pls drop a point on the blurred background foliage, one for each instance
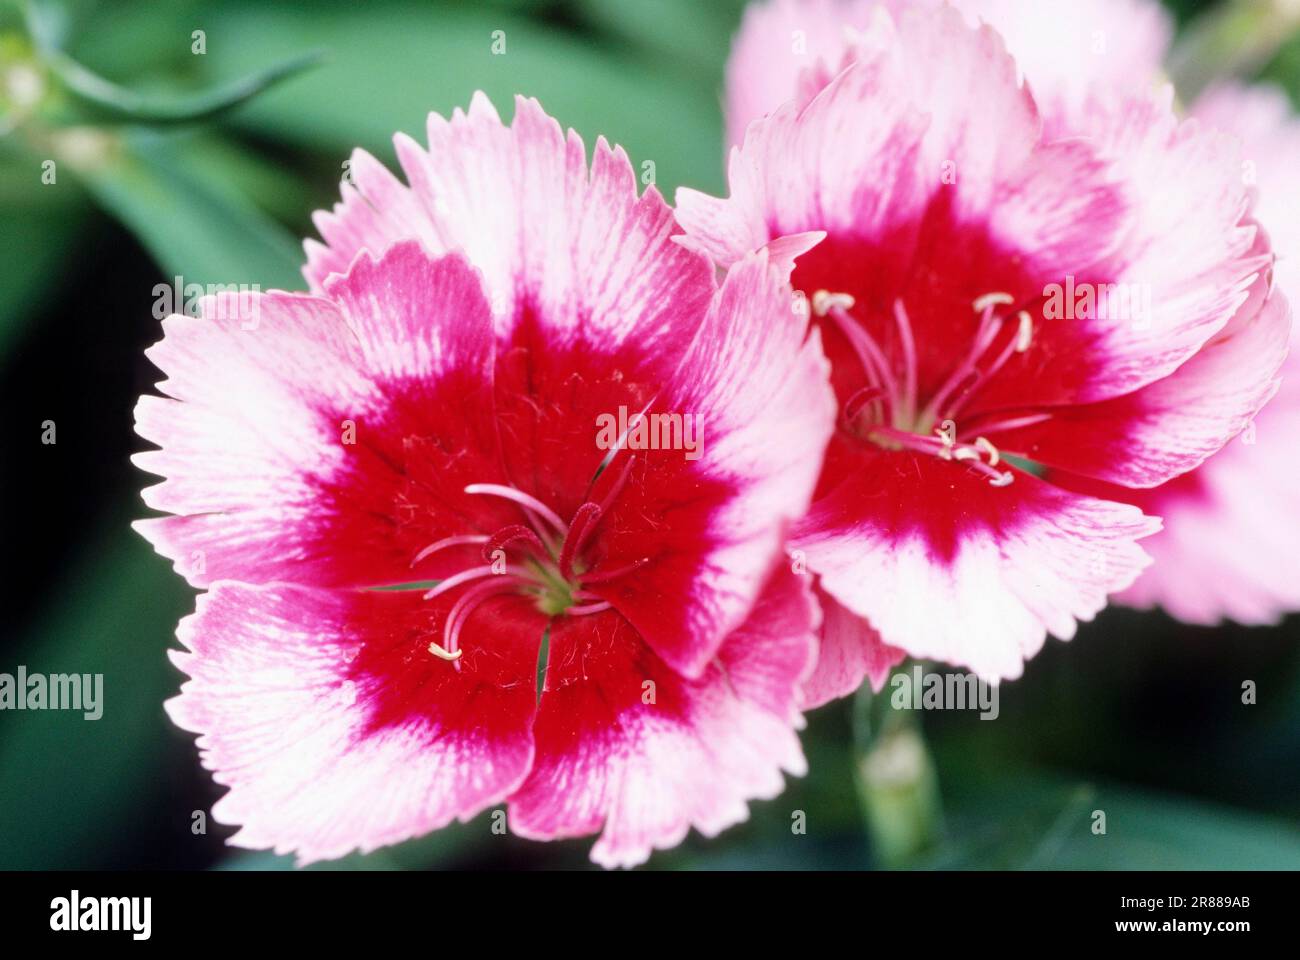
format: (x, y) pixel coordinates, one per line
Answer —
(1139, 717)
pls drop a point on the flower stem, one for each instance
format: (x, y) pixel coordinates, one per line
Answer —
(898, 785)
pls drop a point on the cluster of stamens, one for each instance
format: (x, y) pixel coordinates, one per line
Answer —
(541, 558)
(888, 412)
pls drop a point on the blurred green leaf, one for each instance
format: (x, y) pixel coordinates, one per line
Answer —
(69, 787)
(391, 64)
(686, 32)
(1028, 820)
(103, 101)
(38, 243)
(195, 226)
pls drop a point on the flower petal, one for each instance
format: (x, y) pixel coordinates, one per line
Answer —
(334, 727)
(711, 521)
(571, 246)
(947, 567)
(296, 462)
(848, 651)
(1156, 433)
(629, 747)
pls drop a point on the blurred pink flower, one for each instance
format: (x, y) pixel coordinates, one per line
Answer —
(1228, 546)
(1229, 543)
(956, 262)
(430, 414)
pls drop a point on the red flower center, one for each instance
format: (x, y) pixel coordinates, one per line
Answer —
(544, 558)
(889, 413)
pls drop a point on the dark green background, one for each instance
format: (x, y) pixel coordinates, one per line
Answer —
(1138, 716)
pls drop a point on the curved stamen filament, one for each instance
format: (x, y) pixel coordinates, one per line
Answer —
(582, 611)
(473, 573)
(508, 535)
(946, 447)
(584, 521)
(608, 500)
(967, 375)
(873, 359)
(544, 572)
(1006, 424)
(445, 542)
(605, 576)
(523, 499)
(460, 613)
(908, 344)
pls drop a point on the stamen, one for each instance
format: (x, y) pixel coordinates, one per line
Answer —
(617, 486)
(455, 580)
(604, 576)
(983, 444)
(439, 651)
(460, 614)
(590, 608)
(584, 522)
(1012, 423)
(873, 360)
(908, 344)
(989, 300)
(867, 395)
(1025, 335)
(943, 446)
(823, 302)
(967, 377)
(521, 498)
(508, 535)
(446, 542)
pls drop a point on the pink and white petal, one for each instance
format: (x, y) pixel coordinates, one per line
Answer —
(569, 244)
(1227, 549)
(1065, 52)
(1172, 426)
(416, 317)
(848, 651)
(333, 726)
(1071, 52)
(1263, 118)
(711, 521)
(279, 468)
(779, 42)
(628, 747)
(866, 156)
(947, 567)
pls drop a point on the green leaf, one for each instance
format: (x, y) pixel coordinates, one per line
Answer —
(686, 32)
(1027, 819)
(69, 786)
(385, 73)
(106, 102)
(45, 239)
(197, 227)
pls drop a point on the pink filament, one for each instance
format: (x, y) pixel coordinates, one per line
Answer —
(455, 580)
(523, 499)
(446, 542)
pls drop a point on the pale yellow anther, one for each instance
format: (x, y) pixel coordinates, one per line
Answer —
(1004, 480)
(947, 432)
(1025, 335)
(439, 651)
(965, 453)
(993, 300)
(982, 443)
(823, 302)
